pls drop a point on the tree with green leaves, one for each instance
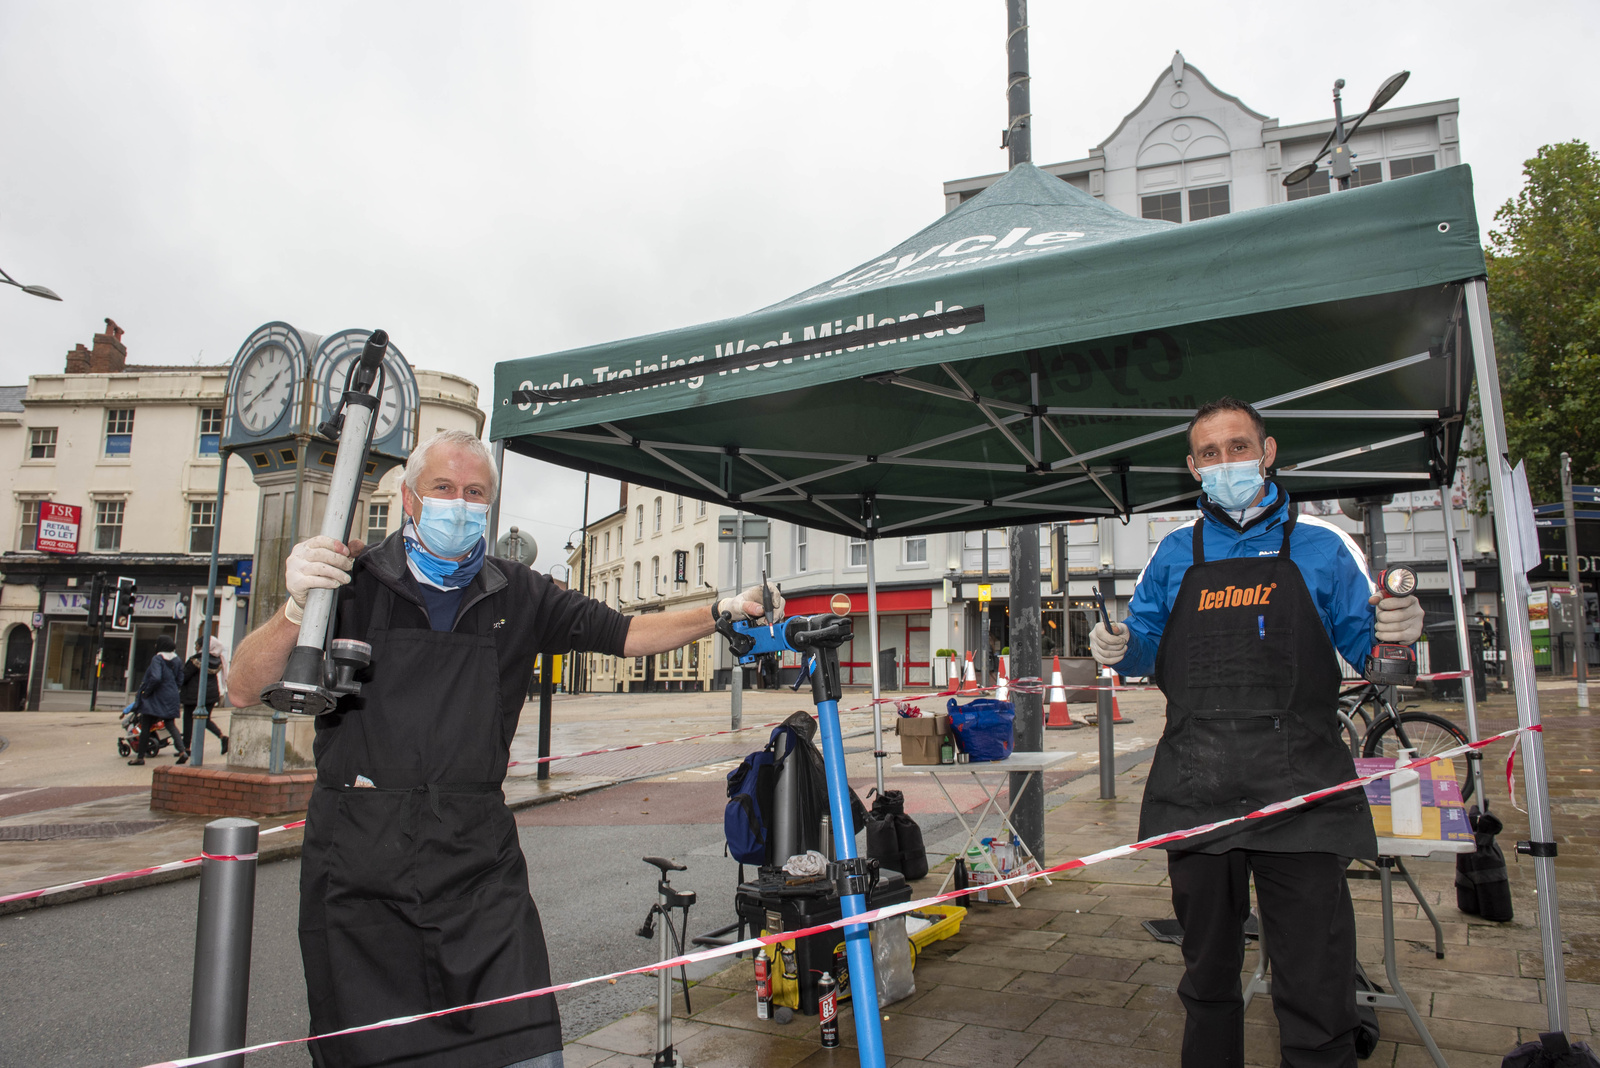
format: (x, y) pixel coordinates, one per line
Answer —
(1544, 290)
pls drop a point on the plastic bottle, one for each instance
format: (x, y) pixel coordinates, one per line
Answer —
(947, 751)
(1405, 798)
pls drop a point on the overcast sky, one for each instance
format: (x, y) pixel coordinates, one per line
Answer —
(497, 180)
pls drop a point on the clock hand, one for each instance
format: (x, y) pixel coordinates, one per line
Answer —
(257, 394)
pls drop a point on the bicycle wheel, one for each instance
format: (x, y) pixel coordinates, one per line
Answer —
(1427, 734)
(1349, 733)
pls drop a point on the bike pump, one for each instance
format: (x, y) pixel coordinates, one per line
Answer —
(319, 672)
(817, 640)
(668, 899)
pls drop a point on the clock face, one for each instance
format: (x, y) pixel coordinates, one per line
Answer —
(266, 387)
(389, 404)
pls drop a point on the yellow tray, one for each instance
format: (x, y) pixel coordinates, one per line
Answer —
(939, 930)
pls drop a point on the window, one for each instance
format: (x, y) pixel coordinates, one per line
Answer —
(210, 431)
(1405, 168)
(700, 509)
(119, 432)
(619, 539)
(916, 551)
(699, 565)
(656, 529)
(377, 523)
(108, 525)
(1168, 206)
(28, 529)
(589, 563)
(638, 523)
(607, 544)
(677, 510)
(42, 443)
(605, 593)
(694, 656)
(858, 552)
(202, 525)
(766, 557)
(1366, 174)
(637, 574)
(1315, 186)
(801, 549)
(1208, 203)
(655, 576)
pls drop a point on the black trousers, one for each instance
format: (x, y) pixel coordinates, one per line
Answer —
(1310, 931)
(188, 722)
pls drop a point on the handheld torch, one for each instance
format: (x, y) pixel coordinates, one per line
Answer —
(1389, 663)
(320, 672)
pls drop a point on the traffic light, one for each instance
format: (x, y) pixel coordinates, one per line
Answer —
(97, 596)
(122, 603)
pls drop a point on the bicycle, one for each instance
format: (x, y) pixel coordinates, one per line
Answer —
(1385, 730)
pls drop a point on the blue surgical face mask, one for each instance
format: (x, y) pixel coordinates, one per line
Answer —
(1232, 486)
(450, 526)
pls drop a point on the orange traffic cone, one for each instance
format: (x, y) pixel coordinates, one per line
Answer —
(1116, 713)
(970, 683)
(953, 683)
(1001, 691)
(1059, 718)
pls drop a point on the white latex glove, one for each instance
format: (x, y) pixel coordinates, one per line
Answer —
(1399, 618)
(1108, 648)
(318, 563)
(748, 604)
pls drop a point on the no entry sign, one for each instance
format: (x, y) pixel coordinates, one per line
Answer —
(840, 604)
(58, 527)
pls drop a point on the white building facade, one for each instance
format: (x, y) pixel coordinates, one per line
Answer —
(135, 448)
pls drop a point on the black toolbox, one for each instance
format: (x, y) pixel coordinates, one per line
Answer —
(794, 908)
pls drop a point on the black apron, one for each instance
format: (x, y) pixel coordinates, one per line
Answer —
(414, 895)
(1252, 688)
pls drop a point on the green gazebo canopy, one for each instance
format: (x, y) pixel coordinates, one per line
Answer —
(1035, 355)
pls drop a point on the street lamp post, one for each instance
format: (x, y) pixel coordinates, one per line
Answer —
(38, 291)
(1338, 142)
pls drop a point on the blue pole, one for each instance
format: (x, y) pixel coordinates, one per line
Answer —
(863, 978)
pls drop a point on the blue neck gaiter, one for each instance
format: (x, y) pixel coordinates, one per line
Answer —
(446, 574)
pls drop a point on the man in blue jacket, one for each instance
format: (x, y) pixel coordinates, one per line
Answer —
(1240, 619)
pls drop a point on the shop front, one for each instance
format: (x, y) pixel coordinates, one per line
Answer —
(905, 625)
(61, 646)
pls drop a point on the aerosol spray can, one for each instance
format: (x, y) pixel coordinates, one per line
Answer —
(763, 986)
(841, 969)
(828, 1009)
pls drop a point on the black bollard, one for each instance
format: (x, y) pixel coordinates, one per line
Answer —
(221, 996)
(1103, 714)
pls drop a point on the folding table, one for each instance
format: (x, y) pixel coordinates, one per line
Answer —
(1028, 764)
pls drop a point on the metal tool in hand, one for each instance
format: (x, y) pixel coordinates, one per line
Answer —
(1105, 614)
(320, 671)
(1389, 663)
(668, 899)
(817, 639)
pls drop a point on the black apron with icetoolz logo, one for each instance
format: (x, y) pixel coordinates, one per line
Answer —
(414, 891)
(1252, 687)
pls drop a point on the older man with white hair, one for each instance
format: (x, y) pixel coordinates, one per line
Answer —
(413, 888)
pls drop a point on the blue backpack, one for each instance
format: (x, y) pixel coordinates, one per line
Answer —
(745, 821)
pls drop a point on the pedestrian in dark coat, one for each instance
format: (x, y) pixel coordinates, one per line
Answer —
(159, 696)
(190, 695)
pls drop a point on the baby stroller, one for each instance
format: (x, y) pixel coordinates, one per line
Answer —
(135, 739)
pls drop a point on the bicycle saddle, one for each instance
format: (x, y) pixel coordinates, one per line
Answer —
(665, 865)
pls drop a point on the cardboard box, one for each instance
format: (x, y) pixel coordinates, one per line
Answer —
(920, 738)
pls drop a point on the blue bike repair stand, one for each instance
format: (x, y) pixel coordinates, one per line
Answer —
(817, 639)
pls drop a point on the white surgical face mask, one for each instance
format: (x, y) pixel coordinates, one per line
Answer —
(1233, 486)
(450, 526)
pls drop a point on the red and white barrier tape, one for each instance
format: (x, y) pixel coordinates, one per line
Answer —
(1021, 685)
(869, 916)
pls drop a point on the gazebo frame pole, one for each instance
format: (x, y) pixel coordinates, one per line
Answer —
(1464, 652)
(1514, 583)
(877, 680)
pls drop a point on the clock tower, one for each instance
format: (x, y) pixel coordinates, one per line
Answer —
(284, 384)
